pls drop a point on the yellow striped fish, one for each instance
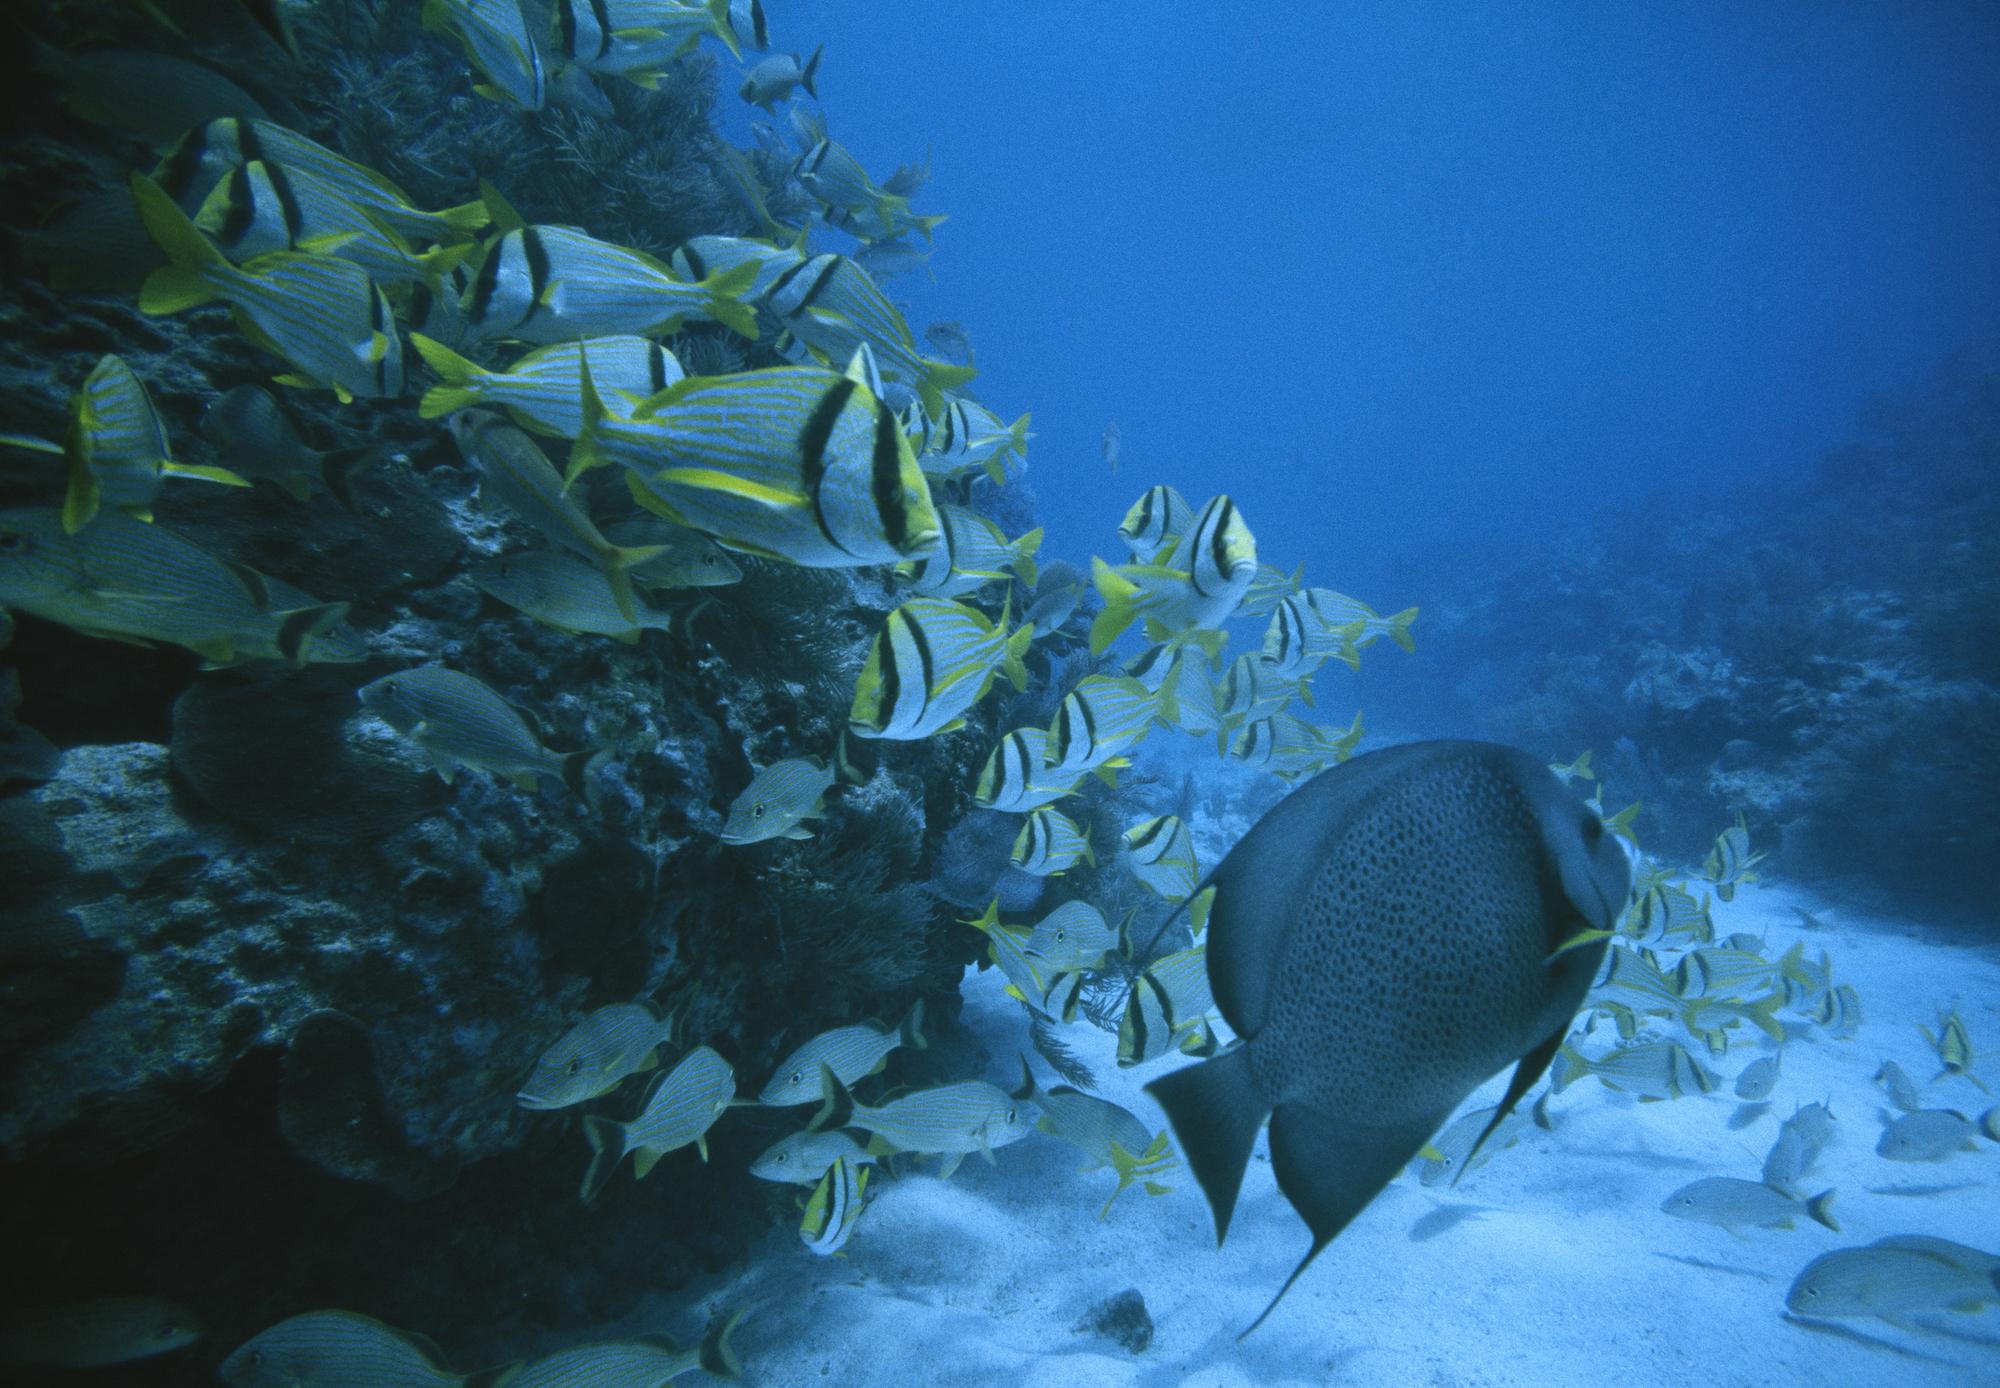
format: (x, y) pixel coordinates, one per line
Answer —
(340, 1349)
(95, 1334)
(1271, 586)
(515, 473)
(971, 553)
(129, 581)
(1098, 722)
(201, 158)
(460, 722)
(116, 452)
(832, 305)
(836, 178)
(850, 1052)
(550, 284)
(701, 256)
(494, 34)
(1015, 777)
(1106, 1133)
(1028, 977)
(1167, 1007)
(543, 389)
(778, 797)
(1162, 856)
(965, 438)
(834, 1208)
(324, 316)
(260, 208)
(1291, 747)
(931, 662)
(1730, 862)
(647, 1362)
(1297, 642)
(1073, 936)
(800, 1159)
(680, 1109)
(1050, 843)
(638, 39)
(1339, 610)
(686, 559)
(1189, 590)
(796, 463)
(951, 1120)
(566, 593)
(595, 1056)
(1155, 522)
(1249, 690)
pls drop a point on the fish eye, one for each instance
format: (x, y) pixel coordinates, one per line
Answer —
(574, 1067)
(757, 812)
(798, 1077)
(167, 1332)
(12, 542)
(783, 1157)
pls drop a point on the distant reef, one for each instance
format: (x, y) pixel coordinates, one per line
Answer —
(1818, 650)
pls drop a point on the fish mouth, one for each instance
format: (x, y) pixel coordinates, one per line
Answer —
(533, 1101)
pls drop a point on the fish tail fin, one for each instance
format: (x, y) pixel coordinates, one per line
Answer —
(718, 24)
(939, 377)
(989, 920)
(297, 630)
(1014, 660)
(337, 469)
(499, 1376)
(928, 225)
(725, 290)
(579, 773)
(182, 283)
(463, 380)
(1018, 435)
(1215, 1110)
(1025, 548)
(619, 561)
(1567, 1068)
(80, 496)
(836, 1108)
(607, 1149)
(910, 1031)
(1820, 1207)
(1120, 596)
(468, 218)
(810, 72)
(1399, 628)
(716, 1356)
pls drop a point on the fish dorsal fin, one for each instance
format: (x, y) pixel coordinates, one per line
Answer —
(1526, 1074)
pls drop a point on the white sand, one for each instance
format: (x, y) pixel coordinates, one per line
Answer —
(1562, 1269)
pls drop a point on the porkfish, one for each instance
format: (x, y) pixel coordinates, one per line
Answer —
(1382, 941)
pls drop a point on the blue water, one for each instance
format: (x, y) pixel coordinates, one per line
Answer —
(1400, 275)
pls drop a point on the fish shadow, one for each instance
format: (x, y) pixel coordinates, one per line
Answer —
(1443, 1219)
(1706, 1266)
(1848, 1332)
(1663, 1160)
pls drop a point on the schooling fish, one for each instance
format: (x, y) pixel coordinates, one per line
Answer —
(931, 662)
(1162, 856)
(1666, 912)
(95, 1334)
(1902, 1090)
(116, 451)
(1954, 1047)
(1757, 1080)
(966, 437)
(832, 305)
(460, 722)
(638, 39)
(339, 1349)
(552, 283)
(701, 256)
(1840, 1011)
(1927, 1135)
(1015, 777)
(1188, 697)
(1895, 1278)
(1459, 1148)
(1297, 642)
(324, 316)
(1730, 861)
(685, 559)
(1050, 843)
(1167, 1007)
(1290, 747)
(647, 1362)
(682, 1106)
(1154, 522)
(850, 1052)
(192, 168)
(1801, 1139)
(778, 797)
(543, 389)
(971, 553)
(747, 22)
(1732, 1204)
(595, 1056)
(1073, 936)
(1103, 1131)
(260, 208)
(515, 473)
(1338, 611)
(836, 178)
(1650, 1069)
(246, 426)
(1098, 722)
(797, 463)
(777, 77)
(802, 1158)
(566, 593)
(1356, 1058)
(126, 580)
(834, 1208)
(497, 43)
(951, 1120)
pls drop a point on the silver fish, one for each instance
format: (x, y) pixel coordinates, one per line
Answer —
(951, 1120)
(850, 1052)
(339, 1349)
(1733, 1204)
(777, 799)
(1927, 1135)
(594, 1056)
(97, 1333)
(682, 1106)
(460, 722)
(802, 1158)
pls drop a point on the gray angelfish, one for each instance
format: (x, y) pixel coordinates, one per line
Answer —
(1394, 932)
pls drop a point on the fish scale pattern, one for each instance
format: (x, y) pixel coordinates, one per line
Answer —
(1435, 883)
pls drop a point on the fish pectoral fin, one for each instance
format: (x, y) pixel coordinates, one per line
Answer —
(643, 1161)
(797, 831)
(1329, 1168)
(949, 1165)
(1526, 1074)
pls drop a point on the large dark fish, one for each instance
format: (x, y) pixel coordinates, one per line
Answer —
(1383, 941)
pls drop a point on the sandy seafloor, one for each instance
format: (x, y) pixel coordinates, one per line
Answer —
(1553, 1266)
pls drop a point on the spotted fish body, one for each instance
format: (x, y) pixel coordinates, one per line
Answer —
(1383, 941)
